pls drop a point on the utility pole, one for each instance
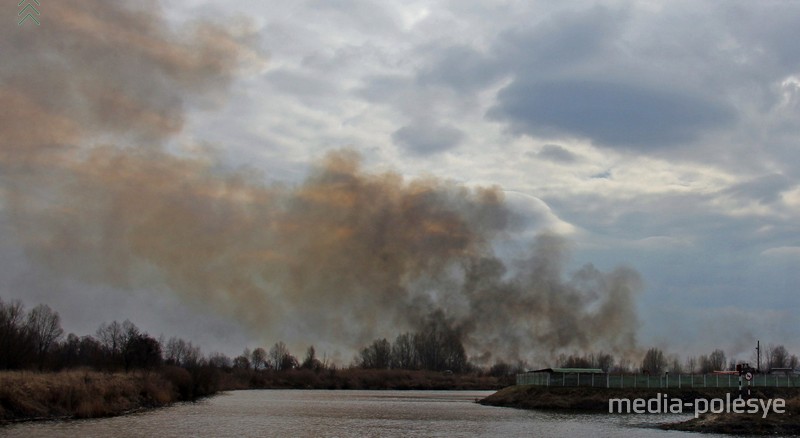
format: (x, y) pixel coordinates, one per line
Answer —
(758, 356)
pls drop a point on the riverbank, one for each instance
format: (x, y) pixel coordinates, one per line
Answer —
(78, 394)
(596, 400)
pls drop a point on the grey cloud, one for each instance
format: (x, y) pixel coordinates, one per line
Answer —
(609, 114)
(561, 41)
(765, 189)
(460, 67)
(425, 138)
(546, 48)
(556, 153)
(298, 83)
(773, 43)
(383, 88)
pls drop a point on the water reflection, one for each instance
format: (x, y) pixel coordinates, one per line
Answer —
(350, 414)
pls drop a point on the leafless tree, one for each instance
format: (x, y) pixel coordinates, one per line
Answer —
(280, 358)
(675, 366)
(258, 358)
(403, 352)
(44, 326)
(310, 362)
(182, 353)
(377, 355)
(777, 356)
(691, 364)
(15, 345)
(242, 362)
(111, 337)
(716, 360)
(219, 360)
(654, 362)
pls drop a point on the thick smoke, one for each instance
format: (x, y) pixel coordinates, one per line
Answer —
(343, 258)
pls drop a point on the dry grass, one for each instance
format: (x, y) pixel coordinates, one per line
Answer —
(79, 394)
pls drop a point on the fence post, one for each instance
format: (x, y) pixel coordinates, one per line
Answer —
(592, 380)
(608, 380)
(679, 380)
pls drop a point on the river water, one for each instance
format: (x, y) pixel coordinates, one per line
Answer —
(296, 413)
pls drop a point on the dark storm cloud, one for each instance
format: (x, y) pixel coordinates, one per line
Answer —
(426, 138)
(609, 114)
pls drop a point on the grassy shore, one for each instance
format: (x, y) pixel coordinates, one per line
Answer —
(587, 399)
(28, 395)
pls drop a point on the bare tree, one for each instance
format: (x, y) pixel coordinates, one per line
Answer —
(777, 356)
(15, 345)
(242, 362)
(141, 351)
(258, 358)
(111, 337)
(438, 346)
(675, 366)
(280, 358)
(310, 362)
(403, 353)
(604, 361)
(219, 360)
(45, 328)
(716, 360)
(654, 362)
(377, 355)
(181, 353)
(691, 364)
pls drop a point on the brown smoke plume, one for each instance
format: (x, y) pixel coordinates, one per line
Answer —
(343, 258)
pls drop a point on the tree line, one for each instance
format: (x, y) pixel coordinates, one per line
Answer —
(655, 361)
(435, 347)
(35, 340)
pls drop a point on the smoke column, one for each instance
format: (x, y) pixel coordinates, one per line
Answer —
(87, 109)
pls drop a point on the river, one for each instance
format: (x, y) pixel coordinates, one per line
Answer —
(319, 413)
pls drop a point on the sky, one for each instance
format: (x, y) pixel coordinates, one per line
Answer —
(656, 136)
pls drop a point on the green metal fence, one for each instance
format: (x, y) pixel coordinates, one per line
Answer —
(662, 381)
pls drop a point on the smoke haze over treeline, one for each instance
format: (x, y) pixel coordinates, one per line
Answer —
(95, 190)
